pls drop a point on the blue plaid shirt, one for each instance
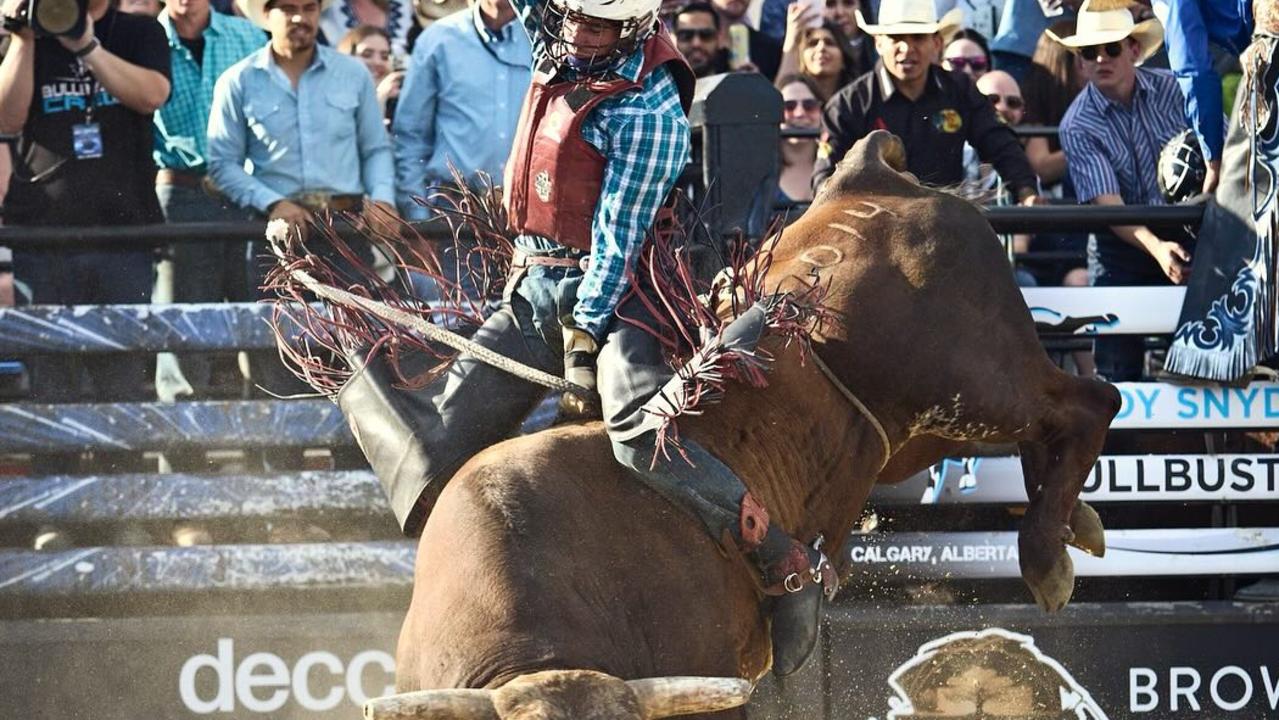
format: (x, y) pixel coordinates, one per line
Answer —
(644, 138)
(181, 126)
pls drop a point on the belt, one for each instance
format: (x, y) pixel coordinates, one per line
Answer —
(180, 178)
(523, 259)
(315, 201)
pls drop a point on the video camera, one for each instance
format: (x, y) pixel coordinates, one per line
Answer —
(49, 17)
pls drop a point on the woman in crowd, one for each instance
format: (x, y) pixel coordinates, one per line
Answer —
(393, 17)
(373, 48)
(820, 53)
(843, 14)
(1054, 79)
(967, 52)
(801, 110)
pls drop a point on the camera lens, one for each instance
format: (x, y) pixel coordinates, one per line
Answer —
(56, 16)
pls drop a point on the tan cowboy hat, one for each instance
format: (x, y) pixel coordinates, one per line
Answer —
(255, 10)
(912, 17)
(1107, 21)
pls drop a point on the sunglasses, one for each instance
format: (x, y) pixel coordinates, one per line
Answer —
(809, 105)
(703, 34)
(1012, 102)
(1093, 52)
(977, 63)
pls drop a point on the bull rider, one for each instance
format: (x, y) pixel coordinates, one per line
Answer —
(603, 136)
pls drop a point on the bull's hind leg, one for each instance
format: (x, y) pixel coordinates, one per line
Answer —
(1057, 453)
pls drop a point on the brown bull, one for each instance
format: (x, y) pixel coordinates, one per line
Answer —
(543, 555)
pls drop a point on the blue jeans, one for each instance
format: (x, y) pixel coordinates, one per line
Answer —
(89, 277)
(203, 271)
(1120, 358)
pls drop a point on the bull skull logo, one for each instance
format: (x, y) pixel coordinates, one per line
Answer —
(542, 186)
(988, 673)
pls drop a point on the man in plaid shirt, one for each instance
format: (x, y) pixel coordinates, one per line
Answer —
(602, 139)
(202, 44)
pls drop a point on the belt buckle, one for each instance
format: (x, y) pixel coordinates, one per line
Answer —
(313, 200)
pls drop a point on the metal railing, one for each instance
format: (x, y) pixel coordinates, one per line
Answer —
(1057, 218)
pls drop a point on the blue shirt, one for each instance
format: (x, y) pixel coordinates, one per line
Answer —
(459, 104)
(325, 136)
(1112, 149)
(181, 126)
(644, 137)
(1020, 26)
(1188, 26)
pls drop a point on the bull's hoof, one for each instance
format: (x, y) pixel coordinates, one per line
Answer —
(1052, 587)
(1090, 536)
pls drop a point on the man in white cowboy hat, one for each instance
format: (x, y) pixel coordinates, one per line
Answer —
(1112, 134)
(932, 110)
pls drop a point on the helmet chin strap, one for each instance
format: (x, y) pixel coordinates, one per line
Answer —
(588, 66)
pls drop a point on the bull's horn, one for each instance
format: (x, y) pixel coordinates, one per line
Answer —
(433, 705)
(663, 697)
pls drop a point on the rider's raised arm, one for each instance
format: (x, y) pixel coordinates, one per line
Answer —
(530, 14)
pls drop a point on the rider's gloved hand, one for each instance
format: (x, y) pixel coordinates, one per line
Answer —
(580, 351)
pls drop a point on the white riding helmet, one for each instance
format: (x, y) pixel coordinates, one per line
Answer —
(637, 20)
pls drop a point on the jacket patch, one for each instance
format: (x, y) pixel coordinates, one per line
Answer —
(949, 121)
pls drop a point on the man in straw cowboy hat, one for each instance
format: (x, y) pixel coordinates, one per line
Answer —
(1112, 134)
(932, 110)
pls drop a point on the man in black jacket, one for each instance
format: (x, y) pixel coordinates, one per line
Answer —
(933, 111)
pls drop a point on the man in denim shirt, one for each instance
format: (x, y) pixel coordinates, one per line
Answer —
(307, 118)
(465, 82)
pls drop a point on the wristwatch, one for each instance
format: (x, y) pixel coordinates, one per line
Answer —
(82, 52)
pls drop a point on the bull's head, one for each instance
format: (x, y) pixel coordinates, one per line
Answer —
(568, 695)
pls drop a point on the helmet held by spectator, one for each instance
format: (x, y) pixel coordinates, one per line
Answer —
(1182, 167)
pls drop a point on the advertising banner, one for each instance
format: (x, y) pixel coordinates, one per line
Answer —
(1106, 311)
(1162, 661)
(1114, 478)
(1163, 406)
(1129, 553)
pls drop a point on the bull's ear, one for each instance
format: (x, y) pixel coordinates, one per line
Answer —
(663, 697)
(433, 705)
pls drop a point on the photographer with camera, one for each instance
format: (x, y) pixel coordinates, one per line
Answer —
(78, 86)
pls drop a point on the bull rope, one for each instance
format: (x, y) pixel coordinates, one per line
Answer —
(859, 405)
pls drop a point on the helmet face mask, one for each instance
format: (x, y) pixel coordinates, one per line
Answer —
(590, 43)
(1181, 168)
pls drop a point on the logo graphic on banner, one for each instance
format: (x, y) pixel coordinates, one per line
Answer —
(987, 673)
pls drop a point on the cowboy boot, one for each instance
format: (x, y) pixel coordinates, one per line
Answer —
(415, 439)
(801, 580)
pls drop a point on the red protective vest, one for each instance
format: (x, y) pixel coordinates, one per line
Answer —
(553, 176)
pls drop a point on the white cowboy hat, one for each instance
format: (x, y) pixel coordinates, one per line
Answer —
(1110, 21)
(255, 10)
(912, 17)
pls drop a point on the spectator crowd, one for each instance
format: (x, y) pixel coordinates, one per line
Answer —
(211, 110)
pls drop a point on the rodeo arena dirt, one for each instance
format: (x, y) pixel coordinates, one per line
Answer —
(846, 455)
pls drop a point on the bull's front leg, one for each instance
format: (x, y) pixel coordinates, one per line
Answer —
(1056, 456)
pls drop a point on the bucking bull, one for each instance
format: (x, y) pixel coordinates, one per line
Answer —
(934, 348)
